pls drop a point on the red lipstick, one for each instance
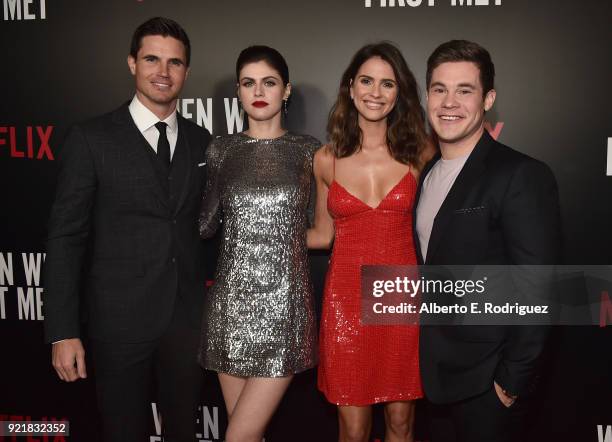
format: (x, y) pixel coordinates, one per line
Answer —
(259, 104)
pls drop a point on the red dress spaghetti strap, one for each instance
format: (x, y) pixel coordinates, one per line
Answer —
(361, 365)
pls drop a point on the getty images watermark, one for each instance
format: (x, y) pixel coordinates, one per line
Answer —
(486, 295)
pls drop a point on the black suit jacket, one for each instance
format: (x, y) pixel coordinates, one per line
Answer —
(513, 218)
(145, 249)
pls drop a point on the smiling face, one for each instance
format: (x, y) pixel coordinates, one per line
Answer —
(160, 70)
(456, 106)
(261, 91)
(374, 90)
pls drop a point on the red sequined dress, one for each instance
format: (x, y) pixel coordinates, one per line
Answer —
(366, 364)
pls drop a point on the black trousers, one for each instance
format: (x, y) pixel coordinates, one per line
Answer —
(479, 419)
(126, 372)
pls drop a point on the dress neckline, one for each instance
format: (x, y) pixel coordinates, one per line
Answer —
(383, 199)
(253, 139)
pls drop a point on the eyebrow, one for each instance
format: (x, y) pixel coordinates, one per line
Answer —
(264, 78)
(372, 78)
(463, 85)
(157, 58)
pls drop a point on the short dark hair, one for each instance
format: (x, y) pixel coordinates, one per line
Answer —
(463, 50)
(160, 26)
(253, 54)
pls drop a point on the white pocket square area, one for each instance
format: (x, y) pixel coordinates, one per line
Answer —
(201, 164)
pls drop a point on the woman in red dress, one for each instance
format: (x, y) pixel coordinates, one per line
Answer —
(366, 182)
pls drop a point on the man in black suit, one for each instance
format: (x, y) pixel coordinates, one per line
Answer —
(129, 190)
(479, 202)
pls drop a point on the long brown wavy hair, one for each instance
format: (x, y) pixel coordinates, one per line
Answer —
(406, 135)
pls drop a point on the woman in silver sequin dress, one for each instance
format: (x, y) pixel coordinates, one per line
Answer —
(259, 322)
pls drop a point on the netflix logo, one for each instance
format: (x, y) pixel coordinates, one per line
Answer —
(31, 142)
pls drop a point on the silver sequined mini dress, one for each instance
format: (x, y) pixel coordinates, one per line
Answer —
(259, 318)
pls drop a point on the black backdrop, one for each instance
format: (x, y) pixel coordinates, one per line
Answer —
(64, 61)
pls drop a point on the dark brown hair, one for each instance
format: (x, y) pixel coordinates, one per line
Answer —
(463, 50)
(160, 26)
(406, 136)
(271, 56)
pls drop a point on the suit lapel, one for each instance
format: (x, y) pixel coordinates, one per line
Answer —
(130, 138)
(183, 143)
(415, 236)
(470, 174)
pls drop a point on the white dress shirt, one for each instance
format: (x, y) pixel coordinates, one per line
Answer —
(145, 122)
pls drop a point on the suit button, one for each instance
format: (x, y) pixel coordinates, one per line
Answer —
(173, 260)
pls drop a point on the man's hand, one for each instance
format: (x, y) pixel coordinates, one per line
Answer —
(68, 359)
(505, 398)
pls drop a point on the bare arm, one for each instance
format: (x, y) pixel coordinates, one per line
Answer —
(321, 235)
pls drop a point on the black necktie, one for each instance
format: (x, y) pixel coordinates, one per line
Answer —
(163, 146)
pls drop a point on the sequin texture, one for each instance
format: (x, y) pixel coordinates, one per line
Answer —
(259, 316)
(367, 364)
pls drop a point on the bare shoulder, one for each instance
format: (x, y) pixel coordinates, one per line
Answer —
(324, 163)
(324, 157)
